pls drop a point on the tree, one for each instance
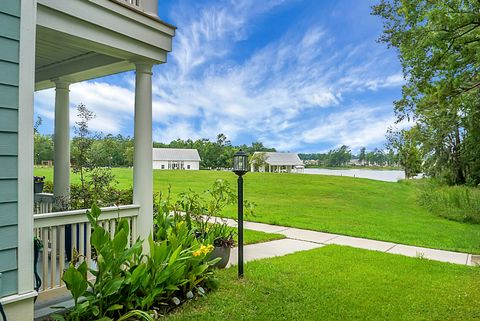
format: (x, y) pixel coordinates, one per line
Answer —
(361, 156)
(406, 145)
(438, 43)
(258, 160)
(85, 161)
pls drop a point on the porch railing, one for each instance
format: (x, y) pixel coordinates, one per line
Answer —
(54, 229)
(43, 203)
(135, 3)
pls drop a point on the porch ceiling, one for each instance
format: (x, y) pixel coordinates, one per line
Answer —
(62, 56)
(49, 52)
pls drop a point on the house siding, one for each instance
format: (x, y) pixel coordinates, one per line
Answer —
(9, 81)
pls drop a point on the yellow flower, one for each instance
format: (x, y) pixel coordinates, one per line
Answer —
(197, 253)
(206, 249)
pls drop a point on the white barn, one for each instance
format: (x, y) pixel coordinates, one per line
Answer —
(276, 162)
(176, 158)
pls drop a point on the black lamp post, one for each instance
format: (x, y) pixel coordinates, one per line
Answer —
(240, 167)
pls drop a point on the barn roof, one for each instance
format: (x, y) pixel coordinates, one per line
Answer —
(175, 154)
(274, 158)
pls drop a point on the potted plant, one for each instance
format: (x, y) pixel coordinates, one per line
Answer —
(222, 237)
(38, 183)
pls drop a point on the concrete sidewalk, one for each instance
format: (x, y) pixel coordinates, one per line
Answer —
(300, 240)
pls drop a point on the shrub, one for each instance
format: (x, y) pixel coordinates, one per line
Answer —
(458, 203)
(126, 280)
(197, 211)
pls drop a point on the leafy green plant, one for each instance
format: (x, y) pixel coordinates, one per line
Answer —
(202, 213)
(126, 280)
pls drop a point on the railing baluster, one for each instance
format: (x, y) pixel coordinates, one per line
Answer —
(88, 249)
(61, 257)
(53, 257)
(112, 228)
(45, 257)
(74, 239)
(81, 241)
(134, 230)
(106, 226)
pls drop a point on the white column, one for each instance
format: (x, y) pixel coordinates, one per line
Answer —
(142, 159)
(61, 165)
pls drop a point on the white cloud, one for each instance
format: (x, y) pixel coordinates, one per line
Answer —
(356, 127)
(203, 91)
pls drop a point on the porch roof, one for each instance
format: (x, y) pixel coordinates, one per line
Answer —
(79, 40)
(282, 159)
(175, 154)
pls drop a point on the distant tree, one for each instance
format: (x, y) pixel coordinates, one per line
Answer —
(258, 160)
(406, 144)
(361, 156)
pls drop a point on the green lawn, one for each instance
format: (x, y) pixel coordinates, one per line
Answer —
(253, 237)
(341, 283)
(352, 206)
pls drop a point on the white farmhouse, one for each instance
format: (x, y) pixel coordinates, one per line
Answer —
(176, 158)
(274, 162)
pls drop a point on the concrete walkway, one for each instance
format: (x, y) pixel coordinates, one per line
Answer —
(301, 240)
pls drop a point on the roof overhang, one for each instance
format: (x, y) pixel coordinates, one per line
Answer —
(79, 40)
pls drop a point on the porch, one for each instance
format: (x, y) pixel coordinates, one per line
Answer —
(77, 42)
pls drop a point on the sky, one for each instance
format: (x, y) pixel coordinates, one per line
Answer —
(299, 76)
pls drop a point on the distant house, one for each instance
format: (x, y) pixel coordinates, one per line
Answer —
(274, 162)
(176, 158)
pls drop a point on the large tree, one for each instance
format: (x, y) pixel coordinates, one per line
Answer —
(438, 44)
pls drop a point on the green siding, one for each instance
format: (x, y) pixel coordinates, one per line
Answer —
(9, 26)
(9, 74)
(8, 144)
(8, 213)
(8, 120)
(8, 260)
(9, 96)
(8, 237)
(9, 50)
(8, 164)
(11, 7)
(9, 82)
(8, 191)
(9, 283)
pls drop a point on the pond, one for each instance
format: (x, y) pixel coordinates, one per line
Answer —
(380, 175)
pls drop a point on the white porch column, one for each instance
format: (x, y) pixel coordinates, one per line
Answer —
(142, 159)
(61, 165)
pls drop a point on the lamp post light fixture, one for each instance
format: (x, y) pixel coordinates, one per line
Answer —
(240, 166)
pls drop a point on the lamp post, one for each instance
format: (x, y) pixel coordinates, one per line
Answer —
(240, 165)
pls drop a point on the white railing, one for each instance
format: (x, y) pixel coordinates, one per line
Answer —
(135, 3)
(43, 203)
(54, 228)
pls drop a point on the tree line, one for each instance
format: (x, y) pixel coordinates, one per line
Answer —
(343, 156)
(117, 151)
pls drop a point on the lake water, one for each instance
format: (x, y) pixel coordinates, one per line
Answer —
(380, 175)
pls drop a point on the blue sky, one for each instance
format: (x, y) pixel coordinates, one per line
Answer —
(303, 76)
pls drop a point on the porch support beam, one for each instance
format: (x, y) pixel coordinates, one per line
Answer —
(142, 161)
(61, 168)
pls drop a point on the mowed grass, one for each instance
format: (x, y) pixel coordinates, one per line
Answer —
(341, 283)
(351, 206)
(253, 237)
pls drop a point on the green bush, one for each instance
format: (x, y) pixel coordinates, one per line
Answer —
(458, 203)
(202, 213)
(127, 280)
